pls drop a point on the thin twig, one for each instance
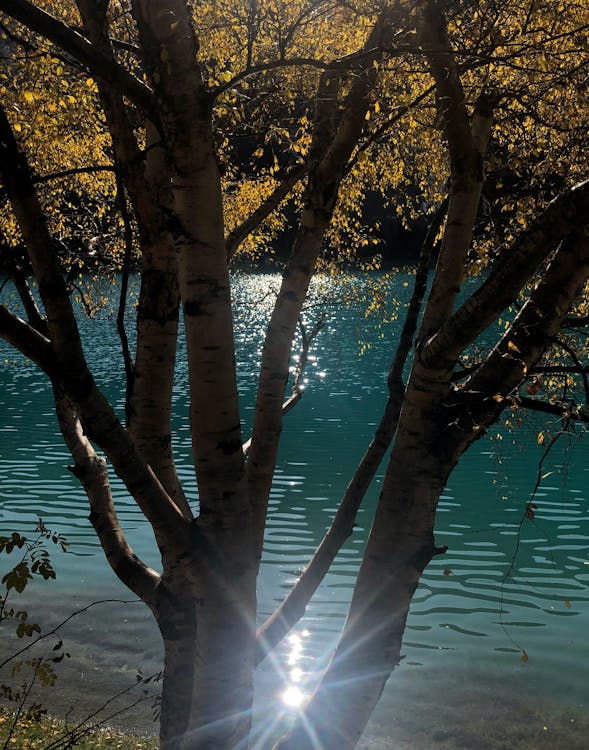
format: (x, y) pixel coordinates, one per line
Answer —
(57, 628)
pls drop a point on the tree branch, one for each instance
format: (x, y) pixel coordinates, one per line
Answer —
(78, 46)
(451, 103)
(146, 179)
(561, 370)
(28, 341)
(38, 179)
(581, 321)
(485, 393)
(293, 607)
(97, 414)
(558, 409)
(337, 127)
(92, 473)
(297, 390)
(36, 319)
(577, 362)
(234, 239)
(467, 144)
(514, 267)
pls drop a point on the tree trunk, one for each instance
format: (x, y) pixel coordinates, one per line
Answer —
(400, 545)
(206, 614)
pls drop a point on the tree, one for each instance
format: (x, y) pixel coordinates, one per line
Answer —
(178, 87)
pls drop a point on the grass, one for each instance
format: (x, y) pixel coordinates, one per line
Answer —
(49, 733)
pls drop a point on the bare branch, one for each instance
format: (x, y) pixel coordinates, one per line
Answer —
(337, 127)
(467, 144)
(558, 409)
(38, 179)
(34, 315)
(571, 321)
(146, 179)
(577, 362)
(451, 99)
(55, 630)
(297, 390)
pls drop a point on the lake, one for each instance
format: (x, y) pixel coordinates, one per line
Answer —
(504, 587)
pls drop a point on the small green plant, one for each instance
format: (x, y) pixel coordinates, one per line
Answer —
(34, 561)
(38, 734)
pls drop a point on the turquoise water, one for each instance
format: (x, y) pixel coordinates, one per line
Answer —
(500, 590)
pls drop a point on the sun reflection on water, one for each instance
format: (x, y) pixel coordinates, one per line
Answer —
(293, 696)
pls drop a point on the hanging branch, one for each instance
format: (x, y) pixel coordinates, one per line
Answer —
(527, 515)
(297, 391)
(580, 369)
(558, 409)
(307, 340)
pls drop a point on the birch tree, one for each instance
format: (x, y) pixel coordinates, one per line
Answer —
(462, 101)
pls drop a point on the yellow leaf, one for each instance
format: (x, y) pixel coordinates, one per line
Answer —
(524, 657)
(540, 438)
(512, 347)
(367, 115)
(17, 127)
(567, 603)
(498, 398)
(29, 96)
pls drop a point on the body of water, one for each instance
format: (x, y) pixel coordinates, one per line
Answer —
(507, 588)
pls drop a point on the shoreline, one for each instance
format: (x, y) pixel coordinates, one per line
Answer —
(440, 710)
